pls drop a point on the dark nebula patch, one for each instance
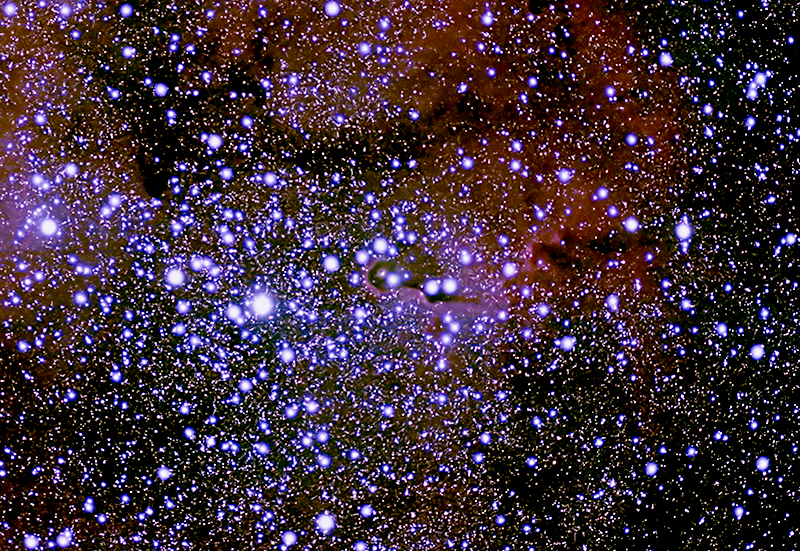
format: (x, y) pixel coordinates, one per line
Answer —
(398, 275)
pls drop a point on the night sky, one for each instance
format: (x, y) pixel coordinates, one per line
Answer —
(399, 275)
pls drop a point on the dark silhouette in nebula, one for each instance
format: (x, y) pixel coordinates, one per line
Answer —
(398, 275)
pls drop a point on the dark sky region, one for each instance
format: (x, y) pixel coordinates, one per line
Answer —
(393, 275)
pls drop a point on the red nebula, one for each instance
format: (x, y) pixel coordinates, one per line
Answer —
(599, 114)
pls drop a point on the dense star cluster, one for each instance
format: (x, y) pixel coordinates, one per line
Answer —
(399, 275)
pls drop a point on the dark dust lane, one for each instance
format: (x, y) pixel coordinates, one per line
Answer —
(398, 275)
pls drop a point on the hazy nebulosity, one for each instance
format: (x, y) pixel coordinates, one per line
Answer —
(398, 275)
